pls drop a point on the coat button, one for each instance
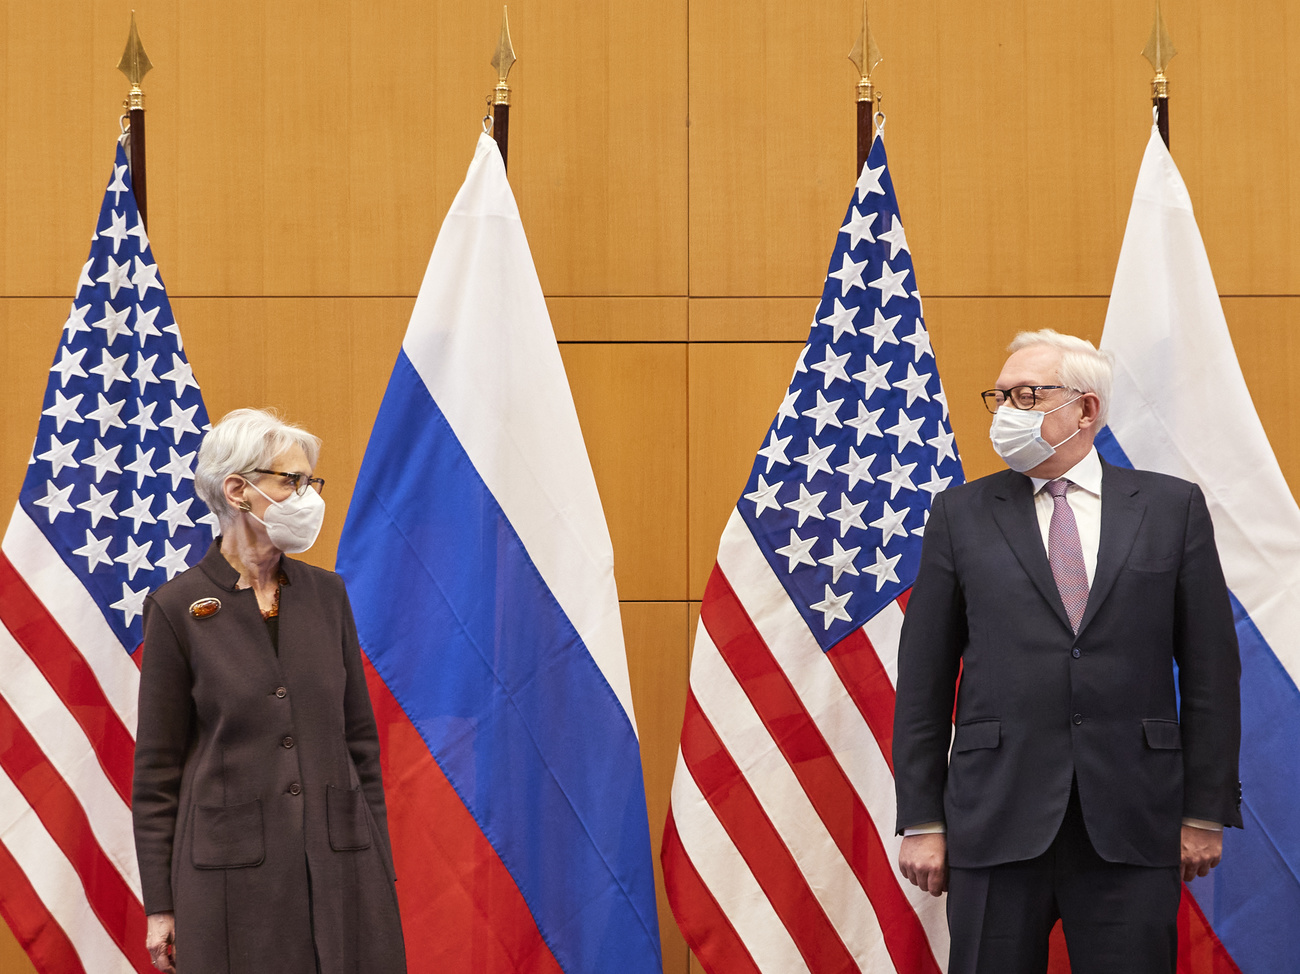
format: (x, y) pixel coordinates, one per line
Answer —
(1074, 652)
(282, 692)
(295, 789)
(288, 741)
(1078, 719)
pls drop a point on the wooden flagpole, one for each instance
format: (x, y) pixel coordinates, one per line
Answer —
(1160, 51)
(865, 56)
(502, 60)
(135, 65)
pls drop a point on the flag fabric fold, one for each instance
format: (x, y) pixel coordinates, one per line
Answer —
(779, 851)
(480, 570)
(107, 512)
(1181, 406)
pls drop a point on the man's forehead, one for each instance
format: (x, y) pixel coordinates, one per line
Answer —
(1033, 365)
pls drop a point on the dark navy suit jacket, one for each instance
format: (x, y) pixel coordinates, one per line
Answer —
(1039, 706)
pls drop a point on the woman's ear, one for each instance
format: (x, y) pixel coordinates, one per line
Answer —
(233, 488)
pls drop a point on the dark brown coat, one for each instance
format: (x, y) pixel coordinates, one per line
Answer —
(258, 803)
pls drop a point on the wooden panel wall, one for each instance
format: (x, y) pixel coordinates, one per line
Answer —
(681, 170)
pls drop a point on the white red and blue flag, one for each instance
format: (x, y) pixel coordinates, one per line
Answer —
(1181, 406)
(480, 570)
(107, 513)
(779, 851)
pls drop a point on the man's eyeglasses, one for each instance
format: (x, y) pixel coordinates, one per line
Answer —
(298, 481)
(1018, 397)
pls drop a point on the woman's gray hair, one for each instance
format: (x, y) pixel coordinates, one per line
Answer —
(1083, 368)
(244, 440)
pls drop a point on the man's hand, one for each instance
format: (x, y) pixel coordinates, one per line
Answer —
(1202, 850)
(924, 860)
(160, 941)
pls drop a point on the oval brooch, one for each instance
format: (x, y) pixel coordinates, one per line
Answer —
(204, 608)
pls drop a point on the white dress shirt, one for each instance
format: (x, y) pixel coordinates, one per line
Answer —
(1084, 498)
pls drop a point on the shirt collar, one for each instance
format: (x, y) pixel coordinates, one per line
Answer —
(1086, 475)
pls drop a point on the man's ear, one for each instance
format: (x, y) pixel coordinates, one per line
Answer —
(1091, 403)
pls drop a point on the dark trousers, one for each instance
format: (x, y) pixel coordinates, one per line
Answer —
(1117, 918)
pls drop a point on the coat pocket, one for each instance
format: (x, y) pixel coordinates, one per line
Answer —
(228, 836)
(346, 818)
(1162, 735)
(976, 734)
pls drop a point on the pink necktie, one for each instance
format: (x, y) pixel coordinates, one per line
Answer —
(1065, 554)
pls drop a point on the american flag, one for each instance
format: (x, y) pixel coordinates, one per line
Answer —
(106, 513)
(779, 852)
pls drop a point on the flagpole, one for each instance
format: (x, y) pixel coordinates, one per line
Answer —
(865, 56)
(1160, 51)
(502, 60)
(135, 65)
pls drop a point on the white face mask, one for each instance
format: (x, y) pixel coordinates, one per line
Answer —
(1017, 435)
(294, 523)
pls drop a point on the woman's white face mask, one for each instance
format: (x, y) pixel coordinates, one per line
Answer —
(294, 523)
(1017, 435)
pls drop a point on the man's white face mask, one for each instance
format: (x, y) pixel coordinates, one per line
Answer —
(1017, 435)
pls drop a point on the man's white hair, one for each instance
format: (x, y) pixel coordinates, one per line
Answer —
(1083, 368)
(243, 441)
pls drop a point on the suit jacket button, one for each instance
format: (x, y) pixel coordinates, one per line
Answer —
(1078, 719)
(288, 741)
(295, 789)
(282, 692)
(1074, 652)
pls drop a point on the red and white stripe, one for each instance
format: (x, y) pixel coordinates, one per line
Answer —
(779, 851)
(69, 885)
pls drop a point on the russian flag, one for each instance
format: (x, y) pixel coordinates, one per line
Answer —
(481, 574)
(1181, 406)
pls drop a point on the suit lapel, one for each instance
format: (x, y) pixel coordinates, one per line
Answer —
(1122, 510)
(1015, 517)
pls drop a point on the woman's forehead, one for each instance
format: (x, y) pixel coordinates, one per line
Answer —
(292, 460)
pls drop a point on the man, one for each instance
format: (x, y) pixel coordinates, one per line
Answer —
(1081, 783)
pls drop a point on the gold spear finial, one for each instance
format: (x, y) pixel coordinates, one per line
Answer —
(135, 64)
(503, 60)
(1159, 51)
(865, 56)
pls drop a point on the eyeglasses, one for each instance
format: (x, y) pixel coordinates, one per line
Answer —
(1018, 397)
(298, 481)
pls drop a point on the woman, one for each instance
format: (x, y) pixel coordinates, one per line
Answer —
(259, 810)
